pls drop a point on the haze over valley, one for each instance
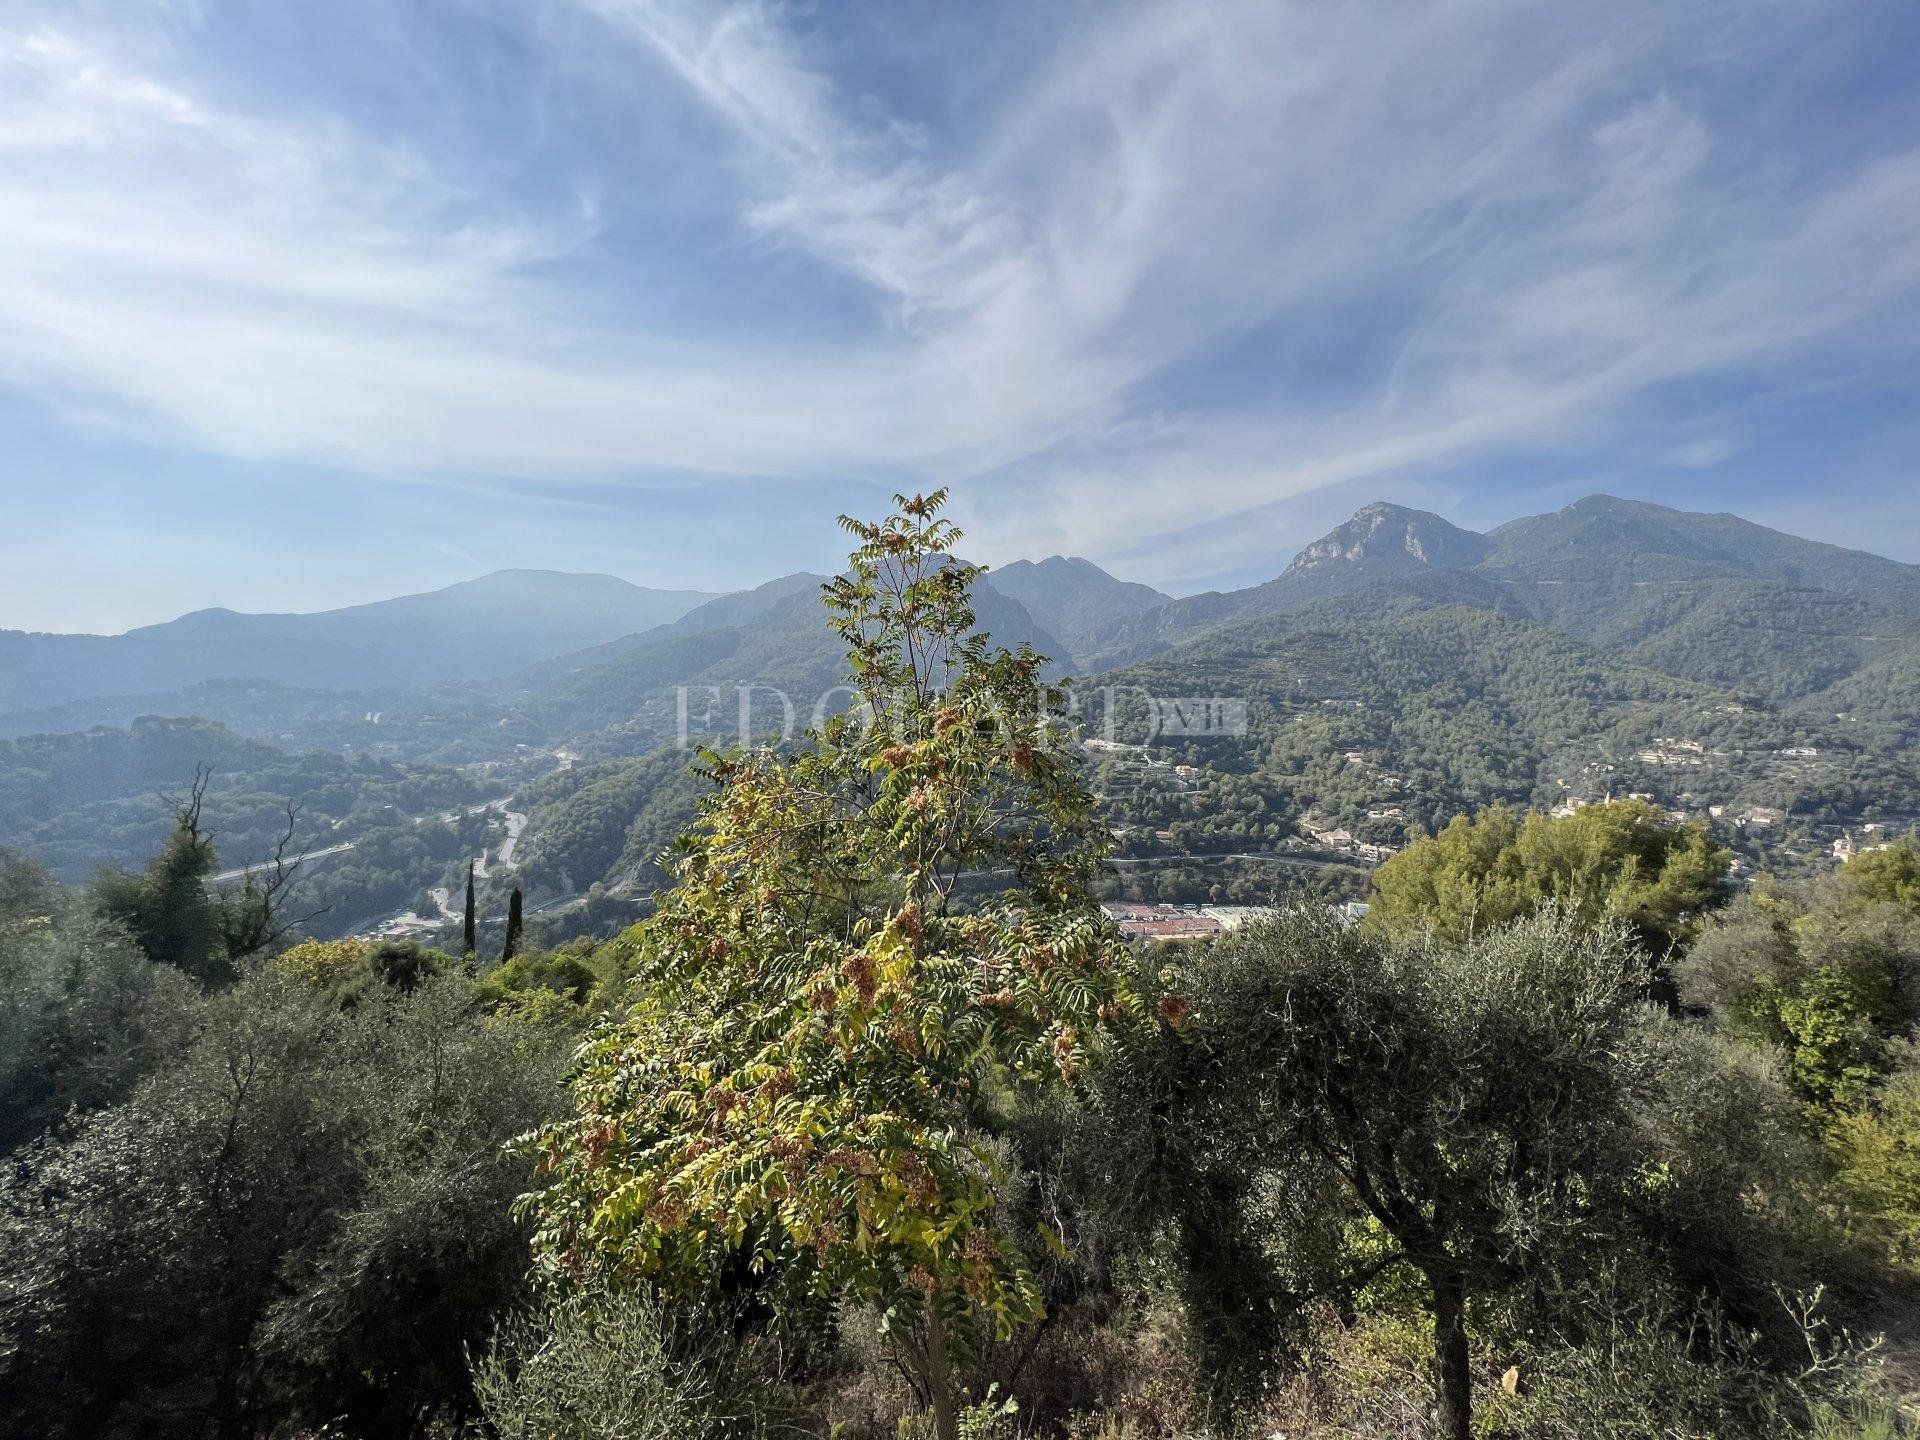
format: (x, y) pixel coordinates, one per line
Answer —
(1763, 683)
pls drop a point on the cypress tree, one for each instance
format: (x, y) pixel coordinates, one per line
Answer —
(513, 927)
(471, 936)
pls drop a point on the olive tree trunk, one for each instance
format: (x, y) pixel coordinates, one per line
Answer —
(1452, 1377)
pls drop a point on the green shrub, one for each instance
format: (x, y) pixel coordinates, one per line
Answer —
(304, 1218)
(613, 1367)
(1696, 1377)
(1876, 1154)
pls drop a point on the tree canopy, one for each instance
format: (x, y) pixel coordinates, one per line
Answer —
(1623, 859)
(865, 935)
(1891, 874)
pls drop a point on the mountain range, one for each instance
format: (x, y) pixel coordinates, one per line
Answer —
(1706, 597)
(1559, 656)
(493, 625)
(546, 657)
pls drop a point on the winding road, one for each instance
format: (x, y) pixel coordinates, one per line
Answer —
(301, 859)
(516, 822)
(1267, 859)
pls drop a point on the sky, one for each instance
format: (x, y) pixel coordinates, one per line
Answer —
(309, 304)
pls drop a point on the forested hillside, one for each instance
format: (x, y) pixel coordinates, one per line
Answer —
(489, 626)
(1073, 597)
(607, 823)
(1453, 709)
(877, 1126)
(1706, 597)
(1726, 671)
(101, 795)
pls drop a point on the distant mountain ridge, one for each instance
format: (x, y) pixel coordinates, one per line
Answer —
(540, 658)
(1709, 597)
(1379, 542)
(493, 625)
(1663, 541)
(1382, 539)
(773, 638)
(1074, 597)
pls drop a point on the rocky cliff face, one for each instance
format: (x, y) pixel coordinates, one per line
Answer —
(1384, 540)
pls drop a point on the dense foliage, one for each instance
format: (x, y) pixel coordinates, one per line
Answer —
(1476, 1114)
(873, 1127)
(299, 1211)
(816, 1019)
(1622, 859)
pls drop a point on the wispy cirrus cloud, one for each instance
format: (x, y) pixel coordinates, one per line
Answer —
(269, 286)
(856, 193)
(1173, 266)
(1534, 222)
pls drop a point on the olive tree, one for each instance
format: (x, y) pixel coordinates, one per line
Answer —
(1473, 1100)
(84, 1015)
(300, 1220)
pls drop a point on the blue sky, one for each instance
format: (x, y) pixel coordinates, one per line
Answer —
(304, 304)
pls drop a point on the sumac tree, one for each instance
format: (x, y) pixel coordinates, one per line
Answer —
(816, 1010)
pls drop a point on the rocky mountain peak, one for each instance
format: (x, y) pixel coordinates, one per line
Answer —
(1391, 539)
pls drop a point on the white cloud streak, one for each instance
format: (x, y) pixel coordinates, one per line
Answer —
(1431, 231)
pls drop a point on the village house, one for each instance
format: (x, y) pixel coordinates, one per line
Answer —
(1162, 922)
(1873, 836)
(1232, 917)
(1672, 752)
